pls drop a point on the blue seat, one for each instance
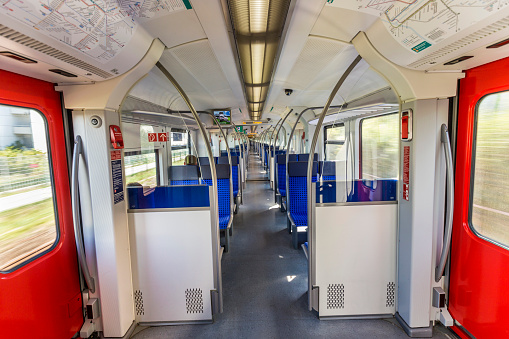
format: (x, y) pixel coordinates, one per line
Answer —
(223, 191)
(184, 175)
(281, 174)
(297, 191)
(235, 171)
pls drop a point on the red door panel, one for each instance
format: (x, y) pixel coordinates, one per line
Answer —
(479, 285)
(42, 299)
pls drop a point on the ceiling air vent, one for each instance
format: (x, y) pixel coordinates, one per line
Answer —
(11, 34)
(18, 57)
(64, 73)
(458, 60)
(499, 44)
(469, 39)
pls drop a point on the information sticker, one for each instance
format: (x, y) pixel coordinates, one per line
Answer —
(116, 176)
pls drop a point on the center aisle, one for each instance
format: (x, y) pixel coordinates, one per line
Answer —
(265, 282)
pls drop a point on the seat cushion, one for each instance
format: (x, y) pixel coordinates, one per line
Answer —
(223, 222)
(301, 219)
(282, 191)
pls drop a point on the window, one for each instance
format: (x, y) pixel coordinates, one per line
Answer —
(380, 147)
(179, 146)
(141, 166)
(334, 139)
(28, 225)
(489, 203)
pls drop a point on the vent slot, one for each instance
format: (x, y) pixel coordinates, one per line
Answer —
(24, 40)
(458, 60)
(335, 296)
(18, 57)
(138, 301)
(469, 39)
(499, 44)
(194, 300)
(64, 73)
(391, 295)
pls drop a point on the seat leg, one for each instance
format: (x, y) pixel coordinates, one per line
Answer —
(230, 230)
(289, 225)
(226, 241)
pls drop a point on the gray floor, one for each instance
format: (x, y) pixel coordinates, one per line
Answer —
(265, 283)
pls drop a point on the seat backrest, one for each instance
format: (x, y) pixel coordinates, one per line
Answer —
(327, 169)
(223, 186)
(297, 185)
(184, 175)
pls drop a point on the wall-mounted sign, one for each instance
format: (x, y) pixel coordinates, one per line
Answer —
(406, 173)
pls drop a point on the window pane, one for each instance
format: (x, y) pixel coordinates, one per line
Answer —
(141, 166)
(334, 140)
(380, 141)
(490, 203)
(179, 147)
(27, 214)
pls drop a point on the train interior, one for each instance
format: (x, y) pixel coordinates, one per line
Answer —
(254, 168)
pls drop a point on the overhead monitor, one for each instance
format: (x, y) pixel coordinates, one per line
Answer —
(223, 116)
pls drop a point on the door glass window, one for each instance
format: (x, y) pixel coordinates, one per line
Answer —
(179, 147)
(334, 140)
(489, 215)
(28, 225)
(380, 147)
(141, 165)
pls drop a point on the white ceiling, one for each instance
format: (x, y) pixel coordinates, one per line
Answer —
(314, 53)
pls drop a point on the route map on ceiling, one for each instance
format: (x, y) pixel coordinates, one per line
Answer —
(98, 28)
(419, 24)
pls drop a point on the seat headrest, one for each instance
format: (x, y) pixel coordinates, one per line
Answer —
(222, 170)
(300, 168)
(187, 172)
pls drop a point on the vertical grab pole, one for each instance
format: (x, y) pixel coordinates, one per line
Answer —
(230, 224)
(215, 228)
(310, 172)
(76, 217)
(439, 270)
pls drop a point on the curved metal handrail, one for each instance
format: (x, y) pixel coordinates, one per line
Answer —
(203, 132)
(444, 136)
(310, 169)
(76, 216)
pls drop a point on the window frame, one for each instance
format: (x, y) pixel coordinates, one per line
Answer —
(33, 256)
(361, 121)
(472, 174)
(331, 142)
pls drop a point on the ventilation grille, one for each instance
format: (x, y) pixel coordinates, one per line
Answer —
(391, 292)
(194, 300)
(469, 39)
(24, 40)
(138, 301)
(335, 296)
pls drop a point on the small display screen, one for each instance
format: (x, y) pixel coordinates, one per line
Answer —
(223, 117)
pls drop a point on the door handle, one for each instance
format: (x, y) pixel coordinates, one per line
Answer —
(439, 270)
(78, 228)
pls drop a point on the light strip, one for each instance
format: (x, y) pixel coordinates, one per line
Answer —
(258, 25)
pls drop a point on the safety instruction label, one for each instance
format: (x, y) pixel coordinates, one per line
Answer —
(116, 176)
(406, 173)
